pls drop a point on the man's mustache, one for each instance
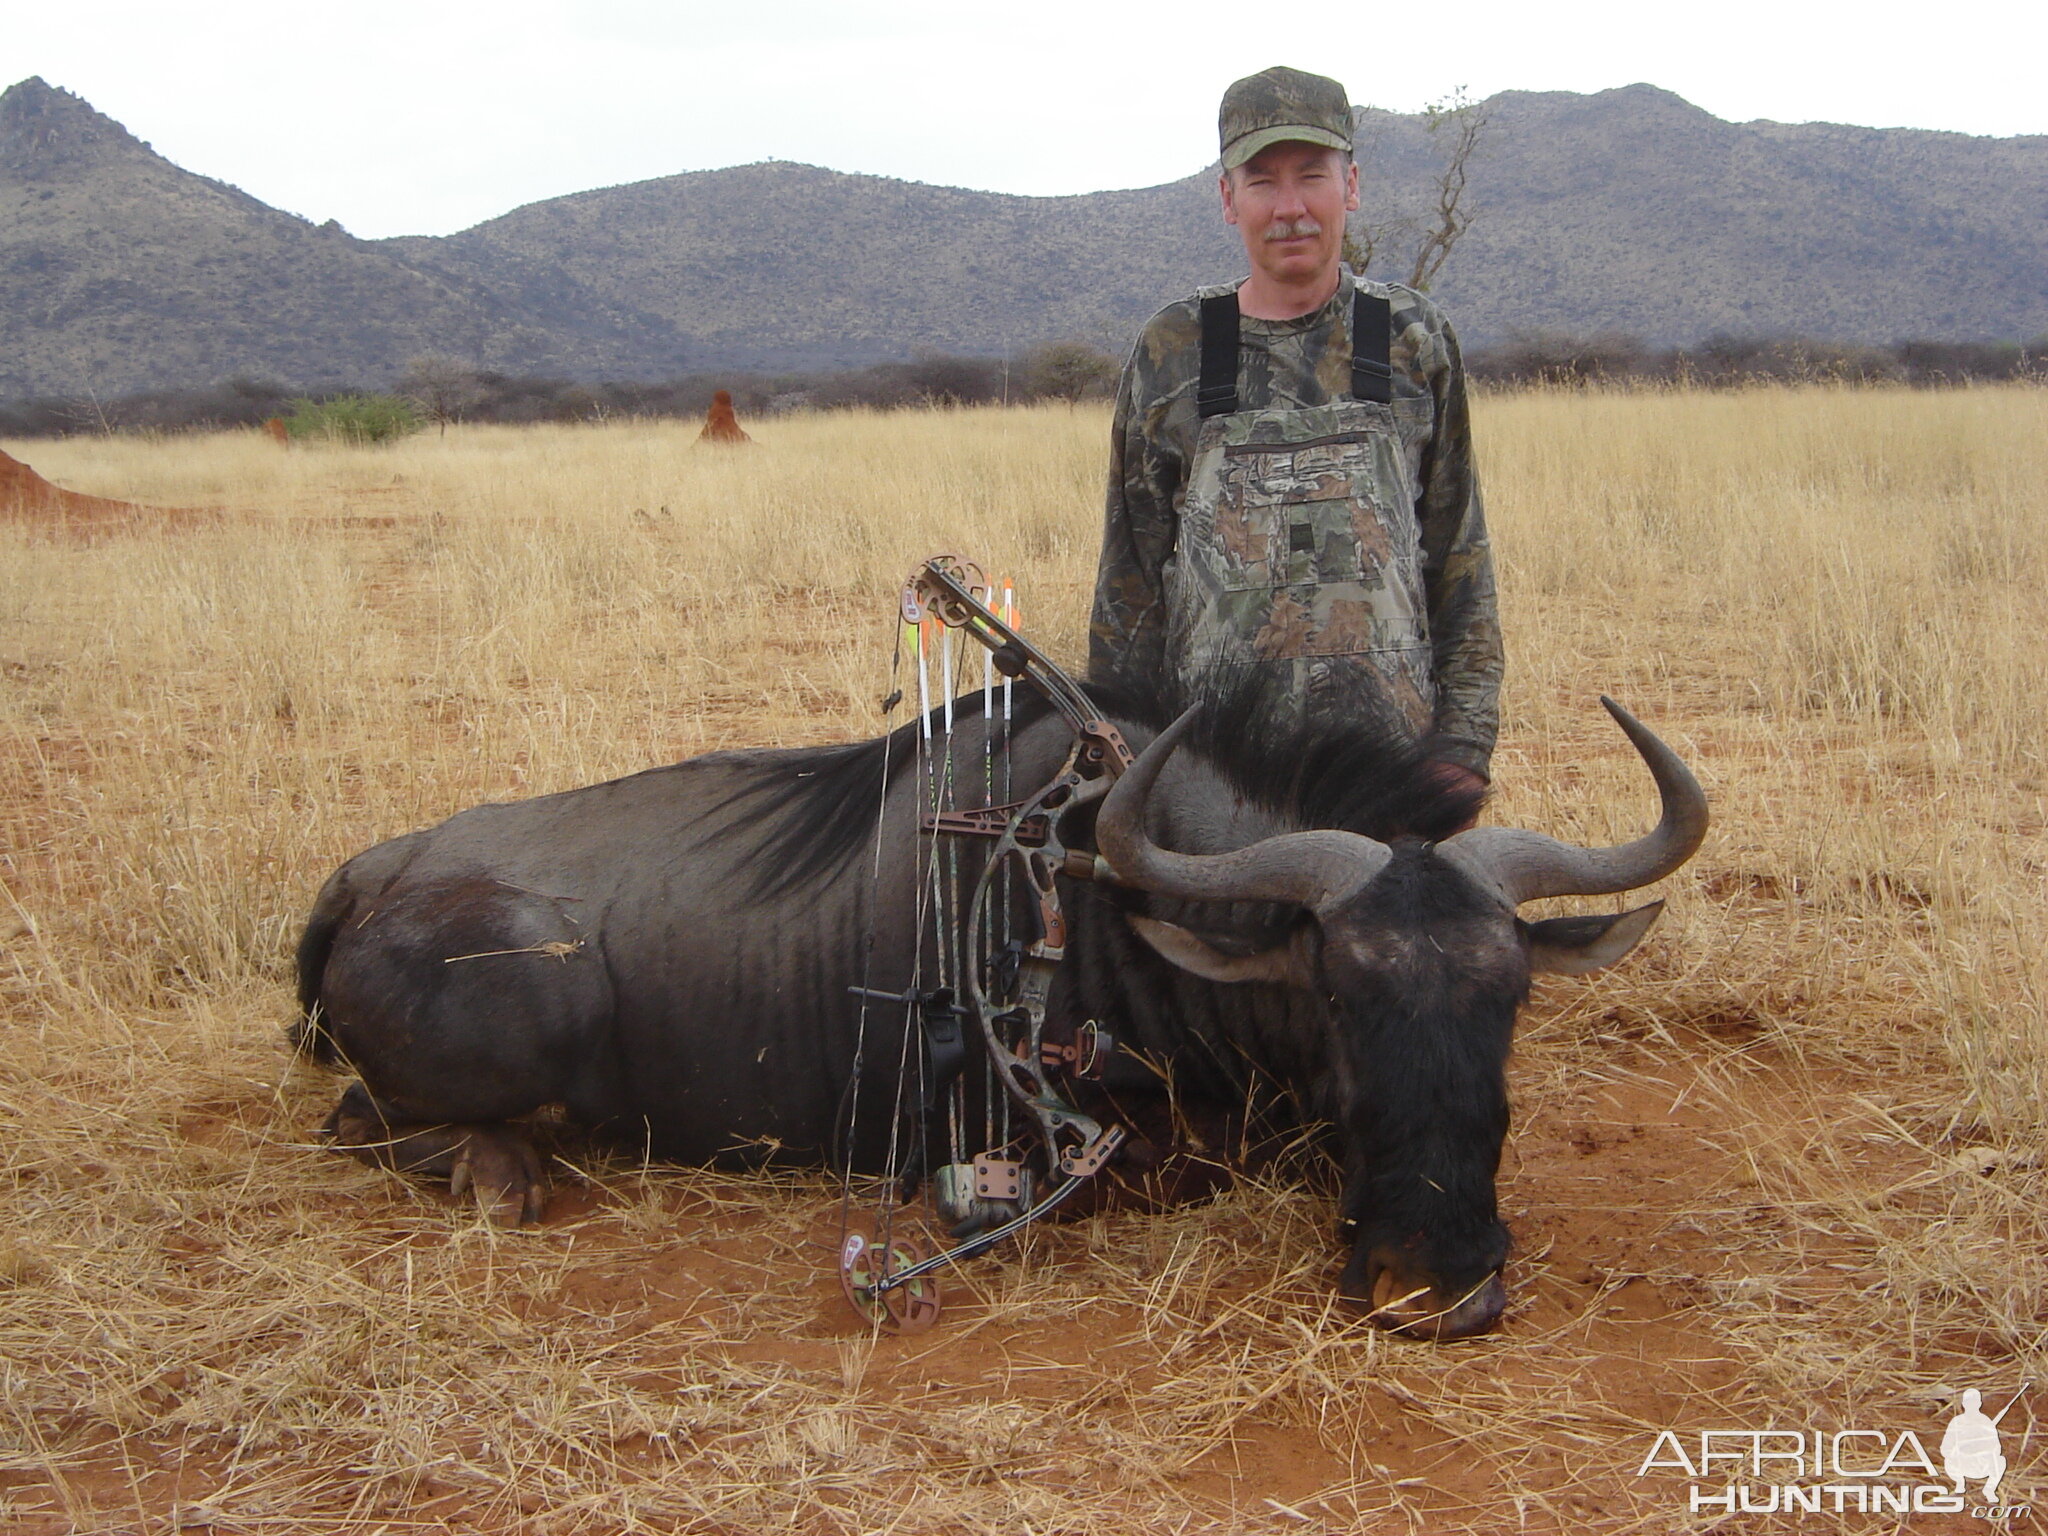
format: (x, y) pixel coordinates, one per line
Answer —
(1299, 229)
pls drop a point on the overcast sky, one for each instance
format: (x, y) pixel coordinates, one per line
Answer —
(417, 117)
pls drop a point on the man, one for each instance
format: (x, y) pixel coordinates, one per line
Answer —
(1970, 1447)
(1291, 489)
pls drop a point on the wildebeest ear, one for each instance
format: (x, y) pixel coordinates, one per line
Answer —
(1206, 960)
(1572, 946)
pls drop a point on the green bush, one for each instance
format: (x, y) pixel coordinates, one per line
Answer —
(354, 418)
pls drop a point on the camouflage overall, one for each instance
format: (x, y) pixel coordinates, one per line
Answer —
(1298, 548)
(1334, 537)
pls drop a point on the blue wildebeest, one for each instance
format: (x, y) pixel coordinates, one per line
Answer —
(668, 956)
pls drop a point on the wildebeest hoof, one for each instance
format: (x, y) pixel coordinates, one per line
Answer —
(498, 1163)
(504, 1172)
(1416, 1309)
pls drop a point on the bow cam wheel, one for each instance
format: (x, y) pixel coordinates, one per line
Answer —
(864, 1263)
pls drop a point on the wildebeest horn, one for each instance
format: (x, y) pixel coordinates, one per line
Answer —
(1312, 868)
(1526, 865)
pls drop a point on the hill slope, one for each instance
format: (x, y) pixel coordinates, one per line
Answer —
(1627, 210)
(1636, 211)
(120, 271)
(782, 263)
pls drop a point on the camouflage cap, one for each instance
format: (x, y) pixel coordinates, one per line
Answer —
(1278, 105)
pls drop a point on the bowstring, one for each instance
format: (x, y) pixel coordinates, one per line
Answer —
(867, 970)
(952, 940)
(1007, 917)
(938, 894)
(985, 929)
(912, 1024)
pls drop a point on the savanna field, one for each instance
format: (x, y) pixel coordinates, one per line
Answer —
(1780, 1169)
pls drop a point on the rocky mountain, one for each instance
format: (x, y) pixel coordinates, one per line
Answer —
(1634, 211)
(780, 264)
(1629, 210)
(120, 271)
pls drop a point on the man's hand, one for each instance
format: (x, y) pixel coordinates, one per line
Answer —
(1456, 778)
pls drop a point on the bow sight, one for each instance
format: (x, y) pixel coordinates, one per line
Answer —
(1038, 1147)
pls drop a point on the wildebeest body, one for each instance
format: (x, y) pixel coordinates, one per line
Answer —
(664, 957)
(609, 949)
(669, 956)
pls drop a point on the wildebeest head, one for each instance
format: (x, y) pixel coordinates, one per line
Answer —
(1423, 961)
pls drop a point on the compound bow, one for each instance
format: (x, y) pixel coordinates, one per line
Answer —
(885, 1274)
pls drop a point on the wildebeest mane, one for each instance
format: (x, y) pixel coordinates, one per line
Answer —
(816, 810)
(1367, 773)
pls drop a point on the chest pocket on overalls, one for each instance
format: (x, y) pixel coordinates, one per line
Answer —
(1301, 514)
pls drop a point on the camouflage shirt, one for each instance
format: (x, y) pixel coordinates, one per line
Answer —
(1292, 365)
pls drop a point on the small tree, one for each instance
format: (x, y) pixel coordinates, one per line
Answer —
(1455, 128)
(442, 387)
(1068, 370)
(939, 379)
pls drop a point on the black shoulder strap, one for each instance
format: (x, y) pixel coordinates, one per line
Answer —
(1372, 372)
(1372, 340)
(1216, 393)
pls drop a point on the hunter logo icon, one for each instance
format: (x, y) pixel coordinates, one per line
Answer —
(1970, 1447)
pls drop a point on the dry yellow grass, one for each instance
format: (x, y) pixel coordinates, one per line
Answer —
(1781, 1169)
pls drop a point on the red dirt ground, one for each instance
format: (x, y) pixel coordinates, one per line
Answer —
(1629, 1205)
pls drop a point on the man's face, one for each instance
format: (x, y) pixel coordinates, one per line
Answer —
(1289, 202)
